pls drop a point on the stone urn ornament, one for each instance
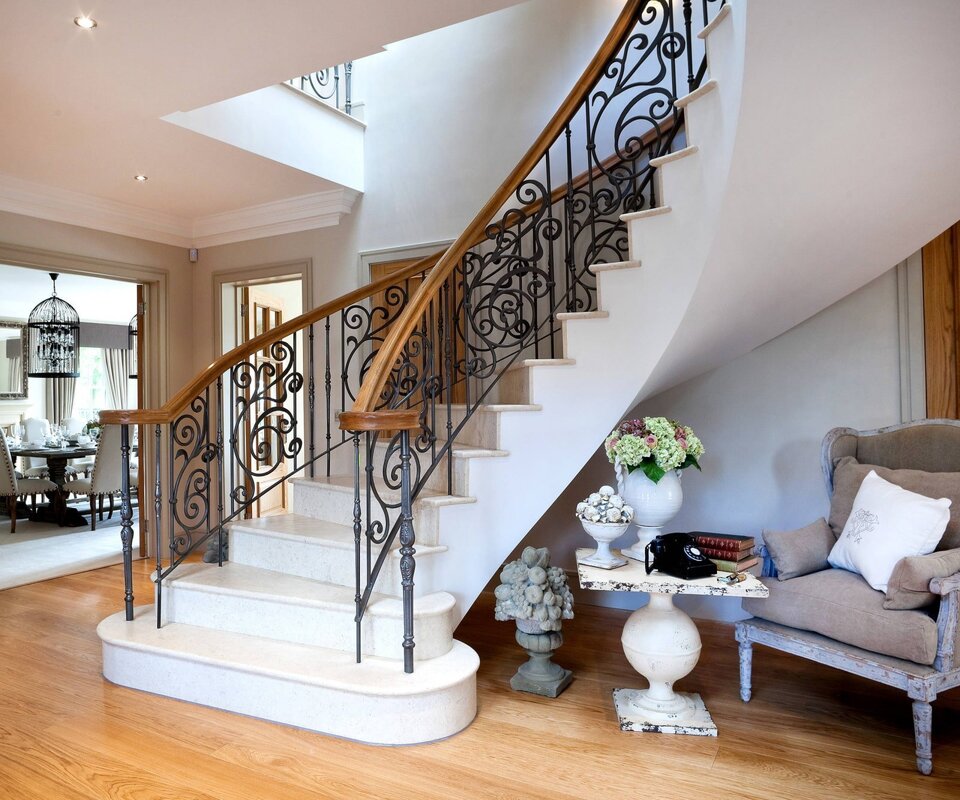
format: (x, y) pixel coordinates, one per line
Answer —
(536, 596)
(605, 516)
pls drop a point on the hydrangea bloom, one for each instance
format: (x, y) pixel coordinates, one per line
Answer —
(654, 444)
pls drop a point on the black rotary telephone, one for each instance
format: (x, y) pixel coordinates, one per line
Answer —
(677, 554)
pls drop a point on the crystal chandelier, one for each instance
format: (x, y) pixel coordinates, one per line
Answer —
(53, 336)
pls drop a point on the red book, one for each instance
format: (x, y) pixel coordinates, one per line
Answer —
(724, 541)
(728, 555)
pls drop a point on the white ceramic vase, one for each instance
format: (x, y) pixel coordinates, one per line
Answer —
(654, 504)
(603, 533)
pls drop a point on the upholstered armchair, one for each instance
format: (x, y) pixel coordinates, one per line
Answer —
(13, 487)
(105, 480)
(907, 636)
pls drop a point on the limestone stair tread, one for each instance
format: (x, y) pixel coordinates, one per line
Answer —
(344, 484)
(306, 664)
(262, 584)
(312, 531)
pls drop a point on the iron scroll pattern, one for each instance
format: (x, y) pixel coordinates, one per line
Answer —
(191, 455)
(500, 303)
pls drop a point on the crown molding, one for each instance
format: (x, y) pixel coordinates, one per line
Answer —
(75, 208)
(290, 215)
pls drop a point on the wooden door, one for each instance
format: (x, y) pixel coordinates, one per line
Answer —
(141, 429)
(941, 323)
(258, 313)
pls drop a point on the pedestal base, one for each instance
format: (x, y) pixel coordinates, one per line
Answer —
(598, 560)
(696, 721)
(540, 686)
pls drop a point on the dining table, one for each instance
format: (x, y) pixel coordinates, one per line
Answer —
(56, 510)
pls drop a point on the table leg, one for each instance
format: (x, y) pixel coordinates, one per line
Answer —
(662, 644)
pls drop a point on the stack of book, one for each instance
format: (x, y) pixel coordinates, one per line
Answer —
(731, 553)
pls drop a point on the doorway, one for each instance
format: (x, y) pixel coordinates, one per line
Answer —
(248, 309)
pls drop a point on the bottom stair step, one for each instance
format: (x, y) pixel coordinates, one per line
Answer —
(309, 687)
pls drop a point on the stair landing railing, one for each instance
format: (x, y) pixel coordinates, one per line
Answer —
(416, 355)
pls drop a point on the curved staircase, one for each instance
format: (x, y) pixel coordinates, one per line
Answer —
(275, 630)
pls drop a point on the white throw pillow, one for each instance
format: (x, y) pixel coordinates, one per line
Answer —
(887, 523)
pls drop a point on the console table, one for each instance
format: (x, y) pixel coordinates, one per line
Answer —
(662, 643)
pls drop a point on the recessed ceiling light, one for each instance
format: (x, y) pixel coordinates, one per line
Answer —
(85, 22)
(140, 178)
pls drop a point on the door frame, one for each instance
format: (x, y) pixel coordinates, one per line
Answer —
(152, 368)
(257, 275)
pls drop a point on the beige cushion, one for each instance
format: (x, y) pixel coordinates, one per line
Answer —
(35, 486)
(840, 605)
(802, 551)
(849, 474)
(909, 585)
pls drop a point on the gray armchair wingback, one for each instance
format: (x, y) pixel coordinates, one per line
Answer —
(834, 617)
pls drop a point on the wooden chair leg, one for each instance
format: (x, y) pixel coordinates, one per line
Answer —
(93, 511)
(110, 515)
(923, 733)
(746, 665)
(12, 509)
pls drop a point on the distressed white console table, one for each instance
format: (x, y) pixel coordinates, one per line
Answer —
(662, 644)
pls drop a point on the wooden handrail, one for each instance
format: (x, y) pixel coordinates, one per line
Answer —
(400, 331)
(177, 404)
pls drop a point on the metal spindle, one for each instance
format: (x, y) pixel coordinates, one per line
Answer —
(568, 256)
(348, 87)
(220, 540)
(448, 370)
(157, 513)
(311, 402)
(370, 442)
(688, 34)
(327, 385)
(551, 267)
(408, 563)
(357, 527)
(126, 521)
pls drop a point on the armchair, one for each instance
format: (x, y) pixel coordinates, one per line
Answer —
(907, 640)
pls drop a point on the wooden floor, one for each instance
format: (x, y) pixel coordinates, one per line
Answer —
(810, 732)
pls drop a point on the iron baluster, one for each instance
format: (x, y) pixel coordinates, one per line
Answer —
(568, 227)
(688, 36)
(370, 442)
(448, 371)
(157, 513)
(408, 563)
(348, 87)
(311, 402)
(671, 51)
(126, 521)
(327, 385)
(358, 598)
(551, 267)
(221, 543)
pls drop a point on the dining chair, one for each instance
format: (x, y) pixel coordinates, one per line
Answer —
(35, 430)
(13, 488)
(105, 480)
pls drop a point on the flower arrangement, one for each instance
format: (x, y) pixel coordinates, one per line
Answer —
(531, 589)
(655, 445)
(605, 506)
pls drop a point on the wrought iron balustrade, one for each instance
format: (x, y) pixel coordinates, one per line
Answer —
(416, 355)
(333, 85)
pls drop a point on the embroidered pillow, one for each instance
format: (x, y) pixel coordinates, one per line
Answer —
(887, 523)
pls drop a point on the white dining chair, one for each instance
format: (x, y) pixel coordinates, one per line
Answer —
(36, 430)
(13, 488)
(105, 480)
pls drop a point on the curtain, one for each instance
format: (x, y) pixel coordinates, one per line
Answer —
(116, 365)
(59, 399)
(16, 374)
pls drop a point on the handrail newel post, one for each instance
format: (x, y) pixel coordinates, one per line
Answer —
(408, 563)
(220, 538)
(126, 521)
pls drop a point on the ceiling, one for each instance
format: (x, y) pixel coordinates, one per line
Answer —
(95, 299)
(83, 108)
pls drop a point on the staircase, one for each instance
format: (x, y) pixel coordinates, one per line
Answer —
(461, 433)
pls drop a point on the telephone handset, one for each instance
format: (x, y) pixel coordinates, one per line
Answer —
(677, 554)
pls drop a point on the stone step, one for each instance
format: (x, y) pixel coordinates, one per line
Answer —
(321, 551)
(331, 499)
(309, 687)
(258, 602)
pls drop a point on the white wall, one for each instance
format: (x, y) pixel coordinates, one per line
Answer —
(762, 418)
(448, 115)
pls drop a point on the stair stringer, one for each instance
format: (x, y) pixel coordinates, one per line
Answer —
(845, 163)
(613, 356)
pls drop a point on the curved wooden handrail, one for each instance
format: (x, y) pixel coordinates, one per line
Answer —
(177, 404)
(369, 395)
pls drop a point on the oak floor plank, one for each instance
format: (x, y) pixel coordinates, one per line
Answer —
(809, 731)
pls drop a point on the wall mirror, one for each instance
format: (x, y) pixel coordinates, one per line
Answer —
(13, 366)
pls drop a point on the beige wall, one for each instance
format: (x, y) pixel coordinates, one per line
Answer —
(67, 248)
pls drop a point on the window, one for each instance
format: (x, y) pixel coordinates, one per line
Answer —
(90, 394)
